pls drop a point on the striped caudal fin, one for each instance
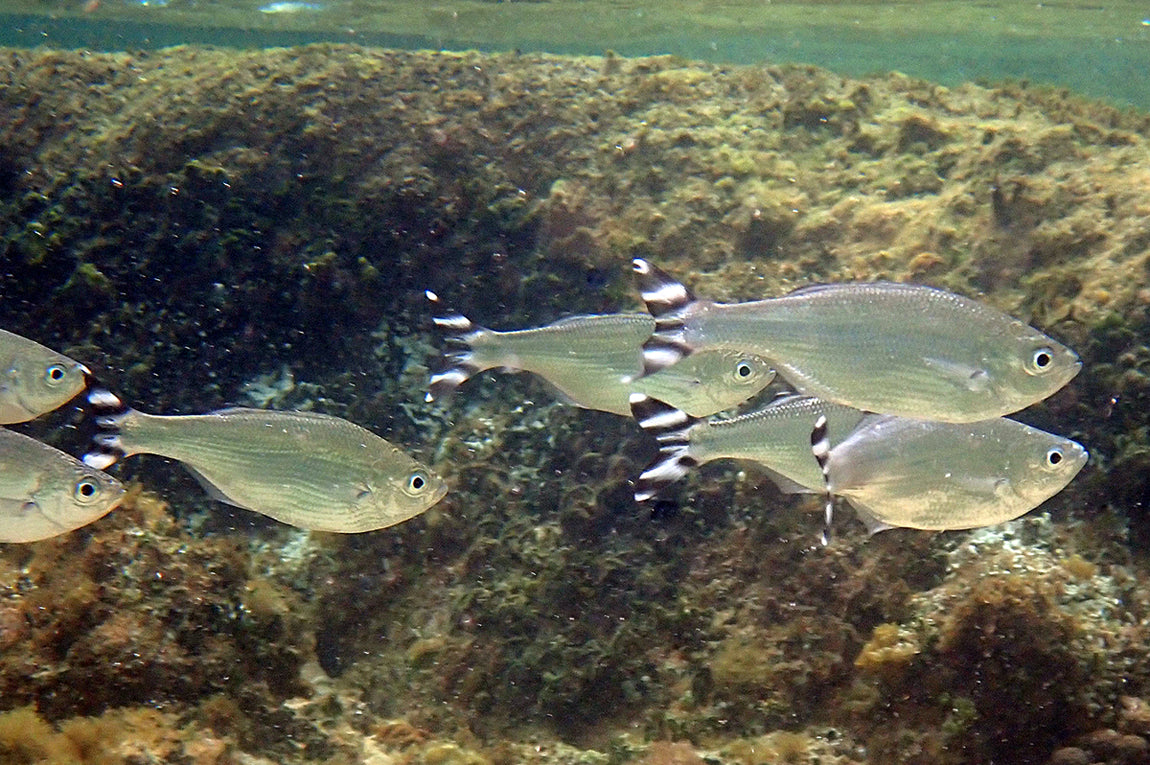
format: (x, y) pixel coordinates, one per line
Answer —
(821, 448)
(670, 428)
(456, 363)
(107, 410)
(667, 300)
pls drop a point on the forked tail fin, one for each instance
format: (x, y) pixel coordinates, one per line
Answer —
(667, 300)
(108, 410)
(456, 360)
(670, 428)
(821, 448)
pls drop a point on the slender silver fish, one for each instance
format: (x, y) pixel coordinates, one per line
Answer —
(309, 470)
(593, 362)
(897, 471)
(34, 379)
(45, 492)
(777, 437)
(891, 348)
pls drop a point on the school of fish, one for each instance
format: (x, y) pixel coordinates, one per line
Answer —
(900, 397)
(896, 403)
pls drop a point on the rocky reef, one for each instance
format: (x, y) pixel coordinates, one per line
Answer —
(206, 228)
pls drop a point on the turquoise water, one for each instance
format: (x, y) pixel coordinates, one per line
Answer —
(1101, 51)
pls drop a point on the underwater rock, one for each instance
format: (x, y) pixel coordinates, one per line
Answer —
(280, 223)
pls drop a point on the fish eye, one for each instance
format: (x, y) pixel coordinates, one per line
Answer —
(743, 370)
(1054, 457)
(416, 483)
(86, 488)
(1041, 360)
(55, 373)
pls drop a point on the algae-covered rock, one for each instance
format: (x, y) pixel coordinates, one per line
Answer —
(211, 227)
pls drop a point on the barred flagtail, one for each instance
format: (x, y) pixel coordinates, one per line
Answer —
(593, 361)
(777, 437)
(45, 492)
(891, 348)
(34, 379)
(309, 470)
(917, 474)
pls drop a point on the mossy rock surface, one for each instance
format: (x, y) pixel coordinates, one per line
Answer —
(208, 227)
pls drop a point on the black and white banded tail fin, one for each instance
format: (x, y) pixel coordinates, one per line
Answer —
(667, 300)
(670, 428)
(108, 410)
(456, 361)
(821, 448)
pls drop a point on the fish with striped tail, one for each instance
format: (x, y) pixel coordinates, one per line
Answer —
(899, 349)
(902, 472)
(776, 437)
(894, 471)
(313, 471)
(594, 362)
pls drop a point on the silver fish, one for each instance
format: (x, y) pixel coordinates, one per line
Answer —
(777, 437)
(593, 362)
(34, 379)
(309, 470)
(897, 349)
(45, 492)
(897, 471)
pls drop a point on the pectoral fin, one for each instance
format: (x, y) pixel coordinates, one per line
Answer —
(212, 490)
(965, 376)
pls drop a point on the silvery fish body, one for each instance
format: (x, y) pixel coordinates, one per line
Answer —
(45, 492)
(313, 471)
(777, 437)
(890, 348)
(593, 361)
(917, 474)
(34, 379)
(895, 471)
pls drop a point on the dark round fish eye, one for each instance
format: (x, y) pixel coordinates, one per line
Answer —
(416, 482)
(743, 369)
(54, 373)
(1054, 457)
(86, 489)
(1042, 358)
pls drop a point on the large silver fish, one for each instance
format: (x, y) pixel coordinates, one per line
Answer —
(45, 492)
(34, 379)
(895, 471)
(593, 361)
(892, 348)
(309, 470)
